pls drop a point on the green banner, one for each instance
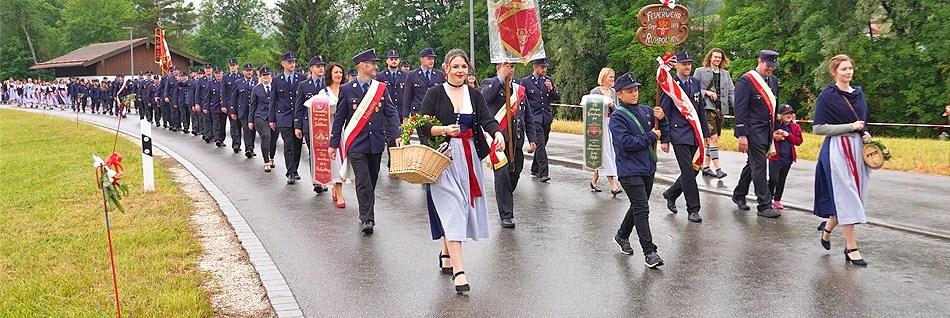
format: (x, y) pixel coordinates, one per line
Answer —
(594, 111)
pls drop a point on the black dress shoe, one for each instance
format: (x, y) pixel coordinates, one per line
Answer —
(368, 227)
(318, 188)
(237, 150)
(821, 228)
(461, 288)
(291, 180)
(218, 144)
(545, 179)
(296, 176)
(769, 213)
(741, 204)
(507, 223)
(248, 154)
(616, 192)
(445, 270)
(694, 217)
(670, 203)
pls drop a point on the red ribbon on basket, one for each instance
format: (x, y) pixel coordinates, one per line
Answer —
(475, 190)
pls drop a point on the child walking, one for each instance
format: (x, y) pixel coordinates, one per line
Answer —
(790, 136)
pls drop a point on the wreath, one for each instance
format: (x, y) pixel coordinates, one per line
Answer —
(884, 150)
(127, 100)
(419, 120)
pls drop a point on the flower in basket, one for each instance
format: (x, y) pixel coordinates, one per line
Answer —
(108, 173)
(418, 120)
(127, 100)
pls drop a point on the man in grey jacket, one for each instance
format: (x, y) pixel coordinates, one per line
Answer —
(717, 91)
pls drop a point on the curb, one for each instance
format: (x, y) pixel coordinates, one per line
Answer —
(564, 162)
(281, 298)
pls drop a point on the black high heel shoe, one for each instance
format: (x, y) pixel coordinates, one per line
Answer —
(859, 262)
(824, 243)
(595, 188)
(460, 288)
(616, 192)
(445, 270)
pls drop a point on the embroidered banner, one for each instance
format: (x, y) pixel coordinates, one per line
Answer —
(320, 139)
(594, 108)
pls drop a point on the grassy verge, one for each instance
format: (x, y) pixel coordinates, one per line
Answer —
(929, 156)
(55, 260)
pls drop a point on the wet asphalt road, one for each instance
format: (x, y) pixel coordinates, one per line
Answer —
(560, 260)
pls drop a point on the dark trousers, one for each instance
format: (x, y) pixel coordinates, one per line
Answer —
(755, 172)
(196, 121)
(306, 140)
(638, 190)
(777, 174)
(219, 121)
(686, 183)
(268, 139)
(366, 171)
(149, 112)
(248, 135)
(237, 130)
(506, 180)
(291, 149)
(166, 115)
(140, 108)
(206, 131)
(539, 166)
(184, 117)
(157, 113)
(95, 105)
(174, 111)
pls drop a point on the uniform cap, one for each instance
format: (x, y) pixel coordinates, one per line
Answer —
(785, 109)
(427, 52)
(317, 60)
(626, 81)
(248, 66)
(392, 54)
(232, 62)
(289, 56)
(265, 71)
(541, 62)
(684, 57)
(769, 57)
(368, 55)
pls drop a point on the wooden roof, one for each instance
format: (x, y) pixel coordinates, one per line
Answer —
(94, 53)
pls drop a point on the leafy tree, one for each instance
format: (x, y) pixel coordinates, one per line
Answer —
(95, 21)
(308, 27)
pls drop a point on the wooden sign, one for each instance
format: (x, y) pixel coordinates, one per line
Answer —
(660, 25)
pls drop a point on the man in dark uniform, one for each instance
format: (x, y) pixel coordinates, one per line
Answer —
(635, 136)
(683, 137)
(755, 122)
(217, 113)
(201, 99)
(94, 93)
(169, 95)
(148, 96)
(117, 91)
(521, 125)
(351, 75)
(238, 109)
(395, 80)
(306, 90)
(228, 87)
(419, 81)
(539, 92)
(139, 91)
(82, 93)
(194, 99)
(364, 154)
(285, 94)
(180, 104)
(404, 66)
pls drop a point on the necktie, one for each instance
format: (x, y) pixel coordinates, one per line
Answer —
(316, 83)
(428, 78)
(266, 90)
(365, 87)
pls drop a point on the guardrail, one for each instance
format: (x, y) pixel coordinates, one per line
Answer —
(810, 121)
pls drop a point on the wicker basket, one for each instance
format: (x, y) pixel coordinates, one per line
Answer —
(417, 164)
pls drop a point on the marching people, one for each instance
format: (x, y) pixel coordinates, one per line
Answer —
(718, 93)
(419, 81)
(169, 96)
(149, 96)
(505, 99)
(282, 112)
(351, 75)
(201, 98)
(179, 106)
(365, 110)
(305, 90)
(605, 87)
(395, 80)
(687, 136)
(472, 79)
(634, 139)
(456, 201)
(333, 79)
(539, 92)
(238, 109)
(756, 96)
(217, 113)
(789, 137)
(259, 118)
(841, 177)
(192, 91)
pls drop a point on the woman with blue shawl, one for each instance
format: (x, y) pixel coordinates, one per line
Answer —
(841, 177)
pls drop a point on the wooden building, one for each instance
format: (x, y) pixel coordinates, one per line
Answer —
(112, 58)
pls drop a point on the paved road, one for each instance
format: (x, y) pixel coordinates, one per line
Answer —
(560, 261)
(916, 201)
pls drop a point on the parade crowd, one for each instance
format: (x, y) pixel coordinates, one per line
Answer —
(498, 120)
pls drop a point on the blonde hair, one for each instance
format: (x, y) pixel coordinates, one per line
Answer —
(602, 78)
(708, 60)
(836, 61)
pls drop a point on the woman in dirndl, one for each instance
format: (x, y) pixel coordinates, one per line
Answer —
(841, 177)
(605, 82)
(334, 79)
(456, 200)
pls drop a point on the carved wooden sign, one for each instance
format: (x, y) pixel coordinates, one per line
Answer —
(660, 25)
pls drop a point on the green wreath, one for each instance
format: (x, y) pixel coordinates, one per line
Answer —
(419, 120)
(884, 150)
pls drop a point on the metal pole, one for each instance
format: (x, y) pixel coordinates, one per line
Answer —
(471, 31)
(131, 53)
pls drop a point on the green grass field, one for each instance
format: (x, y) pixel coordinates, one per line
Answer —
(929, 156)
(54, 259)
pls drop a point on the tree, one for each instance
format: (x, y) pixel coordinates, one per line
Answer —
(95, 21)
(175, 16)
(308, 27)
(223, 24)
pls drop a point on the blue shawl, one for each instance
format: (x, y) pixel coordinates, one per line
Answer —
(831, 107)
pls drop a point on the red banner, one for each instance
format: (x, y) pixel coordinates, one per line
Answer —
(320, 140)
(162, 56)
